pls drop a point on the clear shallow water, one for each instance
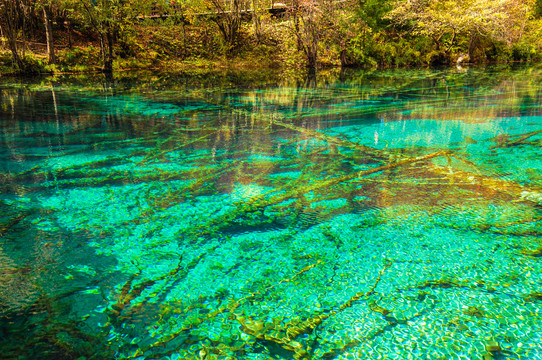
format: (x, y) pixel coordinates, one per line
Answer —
(360, 215)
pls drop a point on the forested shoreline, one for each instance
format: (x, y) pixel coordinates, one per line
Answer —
(46, 36)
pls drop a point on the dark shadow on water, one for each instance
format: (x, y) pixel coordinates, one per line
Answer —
(47, 308)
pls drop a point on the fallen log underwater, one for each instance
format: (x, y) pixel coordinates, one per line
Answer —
(316, 179)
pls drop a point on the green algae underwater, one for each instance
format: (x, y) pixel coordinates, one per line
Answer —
(356, 215)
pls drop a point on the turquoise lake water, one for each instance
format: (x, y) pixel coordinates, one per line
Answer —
(353, 215)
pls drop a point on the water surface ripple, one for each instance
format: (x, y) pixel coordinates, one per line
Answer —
(362, 215)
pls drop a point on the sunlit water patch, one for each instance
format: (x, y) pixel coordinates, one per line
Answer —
(389, 214)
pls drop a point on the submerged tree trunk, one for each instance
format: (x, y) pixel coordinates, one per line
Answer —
(49, 34)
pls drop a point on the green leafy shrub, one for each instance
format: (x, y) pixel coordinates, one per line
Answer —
(31, 64)
(523, 52)
(79, 56)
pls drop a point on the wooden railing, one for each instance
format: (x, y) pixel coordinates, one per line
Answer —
(275, 8)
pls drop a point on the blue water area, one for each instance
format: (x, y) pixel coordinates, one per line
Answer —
(360, 215)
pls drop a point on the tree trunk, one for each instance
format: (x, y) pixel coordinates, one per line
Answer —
(16, 58)
(108, 64)
(12, 44)
(8, 20)
(106, 46)
(312, 56)
(312, 40)
(297, 29)
(472, 45)
(343, 57)
(105, 27)
(68, 26)
(49, 34)
(256, 21)
(451, 43)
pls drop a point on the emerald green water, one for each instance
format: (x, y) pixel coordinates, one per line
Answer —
(358, 215)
